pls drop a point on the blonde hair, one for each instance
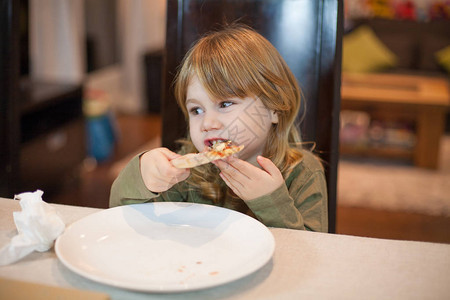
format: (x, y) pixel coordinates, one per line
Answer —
(239, 62)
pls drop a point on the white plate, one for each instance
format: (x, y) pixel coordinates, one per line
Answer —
(165, 246)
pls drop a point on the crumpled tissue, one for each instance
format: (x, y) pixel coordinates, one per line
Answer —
(38, 225)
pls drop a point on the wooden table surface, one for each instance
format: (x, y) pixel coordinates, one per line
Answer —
(395, 88)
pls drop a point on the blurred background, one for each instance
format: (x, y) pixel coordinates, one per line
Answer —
(90, 99)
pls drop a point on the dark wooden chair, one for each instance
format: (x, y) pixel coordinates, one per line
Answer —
(9, 104)
(307, 33)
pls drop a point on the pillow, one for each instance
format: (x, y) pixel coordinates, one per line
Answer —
(362, 51)
(443, 58)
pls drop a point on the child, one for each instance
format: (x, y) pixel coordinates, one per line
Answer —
(234, 85)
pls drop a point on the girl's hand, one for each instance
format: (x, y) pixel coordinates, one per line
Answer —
(248, 181)
(158, 173)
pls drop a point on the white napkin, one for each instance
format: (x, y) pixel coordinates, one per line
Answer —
(38, 225)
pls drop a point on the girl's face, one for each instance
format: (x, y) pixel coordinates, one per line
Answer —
(243, 121)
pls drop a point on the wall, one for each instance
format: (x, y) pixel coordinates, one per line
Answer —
(58, 45)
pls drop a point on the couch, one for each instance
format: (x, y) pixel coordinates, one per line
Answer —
(414, 45)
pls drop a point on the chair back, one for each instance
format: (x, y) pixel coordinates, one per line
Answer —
(307, 33)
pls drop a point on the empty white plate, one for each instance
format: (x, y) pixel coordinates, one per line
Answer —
(165, 246)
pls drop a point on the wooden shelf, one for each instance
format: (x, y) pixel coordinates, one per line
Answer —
(422, 100)
(45, 106)
(52, 134)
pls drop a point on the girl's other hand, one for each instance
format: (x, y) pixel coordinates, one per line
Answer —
(248, 181)
(157, 171)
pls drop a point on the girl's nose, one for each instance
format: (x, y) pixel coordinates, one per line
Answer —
(211, 122)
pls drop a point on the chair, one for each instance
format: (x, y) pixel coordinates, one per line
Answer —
(307, 33)
(9, 104)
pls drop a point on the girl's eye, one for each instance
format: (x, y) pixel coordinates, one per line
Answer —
(195, 110)
(225, 104)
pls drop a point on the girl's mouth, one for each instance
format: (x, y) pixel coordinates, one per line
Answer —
(212, 142)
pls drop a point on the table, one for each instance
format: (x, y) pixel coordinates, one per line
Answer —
(424, 100)
(305, 265)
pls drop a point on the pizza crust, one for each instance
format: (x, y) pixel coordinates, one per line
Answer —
(218, 151)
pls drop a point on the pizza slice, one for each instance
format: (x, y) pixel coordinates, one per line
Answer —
(218, 150)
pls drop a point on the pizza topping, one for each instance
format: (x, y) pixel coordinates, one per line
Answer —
(219, 145)
(222, 149)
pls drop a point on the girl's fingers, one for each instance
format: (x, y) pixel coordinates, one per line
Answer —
(243, 166)
(234, 180)
(160, 183)
(157, 172)
(235, 168)
(181, 176)
(267, 165)
(230, 184)
(169, 154)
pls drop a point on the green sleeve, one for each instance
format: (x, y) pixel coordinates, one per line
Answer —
(301, 203)
(129, 188)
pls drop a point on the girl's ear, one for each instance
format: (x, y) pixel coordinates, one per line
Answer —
(274, 117)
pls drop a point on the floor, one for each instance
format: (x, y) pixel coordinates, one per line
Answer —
(92, 190)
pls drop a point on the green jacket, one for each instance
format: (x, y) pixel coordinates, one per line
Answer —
(300, 203)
